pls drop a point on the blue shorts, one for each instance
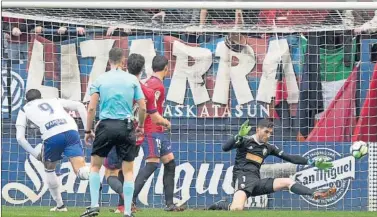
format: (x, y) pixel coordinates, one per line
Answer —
(67, 143)
(113, 161)
(156, 145)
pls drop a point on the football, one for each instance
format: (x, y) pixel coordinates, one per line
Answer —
(359, 149)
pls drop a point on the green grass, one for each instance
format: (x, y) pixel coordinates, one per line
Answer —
(75, 212)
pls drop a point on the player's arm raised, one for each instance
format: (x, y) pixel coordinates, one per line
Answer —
(230, 144)
(21, 124)
(237, 140)
(76, 106)
(297, 159)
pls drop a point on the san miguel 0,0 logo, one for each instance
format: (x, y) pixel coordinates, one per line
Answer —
(340, 175)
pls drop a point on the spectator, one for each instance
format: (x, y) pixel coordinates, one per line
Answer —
(236, 42)
(116, 31)
(58, 31)
(181, 16)
(217, 17)
(247, 17)
(144, 15)
(368, 27)
(15, 32)
(291, 17)
(366, 22)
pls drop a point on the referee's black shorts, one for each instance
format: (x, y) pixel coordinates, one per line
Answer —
(111, 133)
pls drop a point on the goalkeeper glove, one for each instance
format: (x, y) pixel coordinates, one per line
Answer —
(244, 131)
(320, 163)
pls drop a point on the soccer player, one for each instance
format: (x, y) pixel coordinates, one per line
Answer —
(251, 152)
(118, 91)
(156, 145)
(112, 163)
(60, 136)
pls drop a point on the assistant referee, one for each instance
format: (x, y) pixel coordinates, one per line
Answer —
(116, 91)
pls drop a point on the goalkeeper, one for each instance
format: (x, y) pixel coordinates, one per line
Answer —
(251, 152)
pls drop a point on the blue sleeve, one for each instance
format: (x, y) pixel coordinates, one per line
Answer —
(94, 87)
(138, 92)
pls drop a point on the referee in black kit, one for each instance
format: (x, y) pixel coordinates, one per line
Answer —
(116, 90)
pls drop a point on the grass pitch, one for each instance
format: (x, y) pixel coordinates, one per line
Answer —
(105, 212)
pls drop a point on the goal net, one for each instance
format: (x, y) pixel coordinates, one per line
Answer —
(312, 72)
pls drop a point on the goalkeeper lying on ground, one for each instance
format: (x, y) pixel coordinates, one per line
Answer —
(251, 152)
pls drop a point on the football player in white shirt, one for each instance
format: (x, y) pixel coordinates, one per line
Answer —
(60, 136)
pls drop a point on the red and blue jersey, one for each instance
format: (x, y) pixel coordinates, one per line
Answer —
(150, 100)
(158, 88)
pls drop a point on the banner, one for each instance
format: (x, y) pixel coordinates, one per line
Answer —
(206, 80)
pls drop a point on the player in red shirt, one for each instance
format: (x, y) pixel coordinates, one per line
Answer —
(112, 163)
(156, 145)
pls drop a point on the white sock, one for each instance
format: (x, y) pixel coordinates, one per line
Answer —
(53, 185)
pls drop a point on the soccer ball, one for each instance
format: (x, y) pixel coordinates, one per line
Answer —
(359, 149)
(83, 173)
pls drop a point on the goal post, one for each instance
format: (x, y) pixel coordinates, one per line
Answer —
(308, 66)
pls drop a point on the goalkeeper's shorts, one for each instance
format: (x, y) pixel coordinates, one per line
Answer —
(251, 184)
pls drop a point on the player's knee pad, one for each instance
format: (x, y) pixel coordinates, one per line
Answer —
(170, 167)
(83, 173)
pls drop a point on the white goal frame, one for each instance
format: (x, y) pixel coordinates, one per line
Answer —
(189, 4)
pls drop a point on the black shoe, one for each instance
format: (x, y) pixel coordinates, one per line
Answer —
(90, 211)
(173, 208)
(132, 215)
(219, 205)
